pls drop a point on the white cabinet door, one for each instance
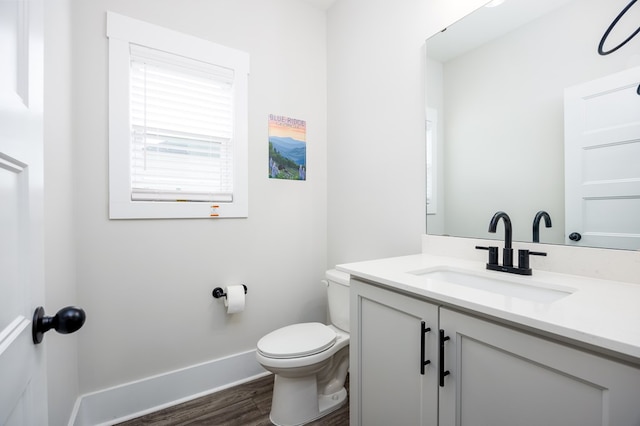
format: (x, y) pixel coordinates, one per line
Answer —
(387, 386)
(499, 376)
(23, 398)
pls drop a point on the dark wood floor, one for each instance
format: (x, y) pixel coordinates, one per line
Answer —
(245, 405)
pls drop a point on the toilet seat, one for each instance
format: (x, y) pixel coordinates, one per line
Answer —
(297, 340)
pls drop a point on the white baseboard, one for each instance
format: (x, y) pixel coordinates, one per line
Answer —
(130, 400)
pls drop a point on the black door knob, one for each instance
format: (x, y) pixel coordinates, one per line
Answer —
(575, 236)
(66, 320)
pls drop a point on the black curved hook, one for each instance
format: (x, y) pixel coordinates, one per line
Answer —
(601, 50)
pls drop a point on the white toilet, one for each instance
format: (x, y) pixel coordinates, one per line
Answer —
(310, 361)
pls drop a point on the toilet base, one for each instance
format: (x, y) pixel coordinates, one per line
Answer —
(303, 404)
(329, 403)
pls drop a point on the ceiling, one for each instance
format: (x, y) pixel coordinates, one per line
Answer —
(321, 4)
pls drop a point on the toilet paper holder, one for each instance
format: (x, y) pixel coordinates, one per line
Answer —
(218, 292)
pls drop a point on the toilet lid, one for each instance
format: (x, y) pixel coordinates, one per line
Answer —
(297, 340)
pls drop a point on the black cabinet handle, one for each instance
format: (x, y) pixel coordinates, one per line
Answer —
(575, 236)
(443, 373)
(423, 338)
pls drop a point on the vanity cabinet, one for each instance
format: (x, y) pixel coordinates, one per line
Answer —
(494, 375)
(390, 381)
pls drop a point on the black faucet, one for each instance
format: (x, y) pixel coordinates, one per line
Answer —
(507, 253)
(536, 224)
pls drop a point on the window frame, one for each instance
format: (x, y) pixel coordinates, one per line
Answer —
(123, 31)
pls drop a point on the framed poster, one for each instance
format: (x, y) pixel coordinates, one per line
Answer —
(287, 148)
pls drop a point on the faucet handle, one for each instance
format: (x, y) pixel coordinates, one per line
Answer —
(493, 254)
(523, 257)
(507, 256)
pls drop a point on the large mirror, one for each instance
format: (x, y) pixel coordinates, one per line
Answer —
(516, 95)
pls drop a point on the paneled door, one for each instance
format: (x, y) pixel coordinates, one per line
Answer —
(23, 398)
(602, 171)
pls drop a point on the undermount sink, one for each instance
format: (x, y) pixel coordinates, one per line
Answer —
(504, 285)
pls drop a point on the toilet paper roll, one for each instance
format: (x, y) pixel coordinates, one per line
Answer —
(234, 301)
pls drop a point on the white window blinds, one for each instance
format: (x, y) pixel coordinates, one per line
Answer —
(181, 115)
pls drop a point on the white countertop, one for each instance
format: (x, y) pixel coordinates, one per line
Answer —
(600, 313)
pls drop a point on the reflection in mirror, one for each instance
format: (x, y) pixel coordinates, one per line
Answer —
(531, 118)
(431, 140)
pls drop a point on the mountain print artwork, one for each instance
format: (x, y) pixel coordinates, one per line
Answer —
(287, 148)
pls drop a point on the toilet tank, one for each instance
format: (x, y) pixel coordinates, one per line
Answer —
(338, 298)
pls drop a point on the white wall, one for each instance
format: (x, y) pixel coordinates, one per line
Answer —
(376, 113)
(60, 276)
(376, 122)
(146, 285)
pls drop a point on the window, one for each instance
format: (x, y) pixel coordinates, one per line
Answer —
(177, 124)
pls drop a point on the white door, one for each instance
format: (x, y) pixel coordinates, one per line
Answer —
(23, 397)
(602, 162)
